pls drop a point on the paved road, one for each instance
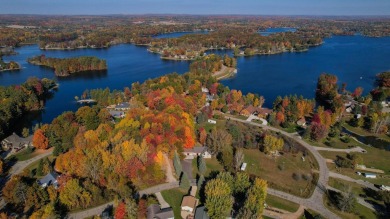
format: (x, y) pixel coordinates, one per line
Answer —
(19, 166)
(99, 209)
(187, 168)
(355, 149)
(358, 181)
(315, 202)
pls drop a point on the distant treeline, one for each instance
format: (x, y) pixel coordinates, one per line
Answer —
(67, 66)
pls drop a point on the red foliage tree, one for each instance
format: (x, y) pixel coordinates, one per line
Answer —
(142, 206)
(318, 131)
(120, 211)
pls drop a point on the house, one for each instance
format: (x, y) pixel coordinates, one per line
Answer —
(117, 114)
(205, 90)
(154, 212)
(197, 151)
(369, 175)
(211, 121)
(122, 106)
(358, 116)
(201, 213)
(243, 166)
(188, 206)
(302, 122)
(249, 110)
(264, 112)
(49, 179)
(348, 110)
(15, 143)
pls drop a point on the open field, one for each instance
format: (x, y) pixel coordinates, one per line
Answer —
(278, 171)
(359, 212)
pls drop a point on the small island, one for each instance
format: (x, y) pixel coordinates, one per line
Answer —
(8, 66)
(67, 66)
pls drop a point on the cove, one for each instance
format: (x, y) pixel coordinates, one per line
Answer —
(354, 59)
(273, 30)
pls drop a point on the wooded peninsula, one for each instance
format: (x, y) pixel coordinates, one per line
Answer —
(68, 66)
(8, 66)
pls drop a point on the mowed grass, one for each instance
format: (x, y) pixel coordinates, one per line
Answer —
(280, 203)
(174, 198)
(25, 154)
(359, 212)
(364, 132)
(278, 171)
(212, 164)
(374, 158)
(357, 189)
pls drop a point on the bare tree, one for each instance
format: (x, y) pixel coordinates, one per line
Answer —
(238, 158)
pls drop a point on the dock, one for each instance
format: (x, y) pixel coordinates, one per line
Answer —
(86, 101)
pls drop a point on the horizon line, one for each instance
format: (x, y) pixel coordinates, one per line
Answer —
(184, 14)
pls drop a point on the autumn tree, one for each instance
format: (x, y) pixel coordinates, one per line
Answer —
(255, 198)
(39, 140)
(218, 139)
(218, 199)
(318, 131)
(120, 211)
(1, 166)
(272, 143)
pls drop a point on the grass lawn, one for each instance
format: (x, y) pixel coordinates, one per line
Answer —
(334, 143)
(269, 168)
(34, 166)
(374, 157)
(364, 132)
(221, 123)
(360, 211)
(212, 164)
(280, 203)
(25, 154)
(174, 198)
(358, 189)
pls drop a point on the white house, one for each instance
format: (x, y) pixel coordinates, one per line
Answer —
(197, 151)
(211, 121)
(205, 90)
(385, 188)
(369, 175)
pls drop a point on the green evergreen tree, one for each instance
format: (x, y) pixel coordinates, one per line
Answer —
(202, 165)
(177, 165)
(40, 168)
(184, 182)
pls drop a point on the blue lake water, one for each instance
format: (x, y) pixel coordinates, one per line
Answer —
(273, 30)
(354, 59)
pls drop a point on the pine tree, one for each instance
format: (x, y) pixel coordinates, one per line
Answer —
(40, 168)
(201, 181)
(177, 165)
(202, 165)
(184, 182)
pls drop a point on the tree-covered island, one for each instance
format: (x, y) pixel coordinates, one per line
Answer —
(68, 66)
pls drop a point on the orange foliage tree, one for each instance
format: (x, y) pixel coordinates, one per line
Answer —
(39, 140)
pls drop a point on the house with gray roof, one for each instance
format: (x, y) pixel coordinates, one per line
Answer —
(201, 213)
(49, 179)
(122, 106)
(191, 153)
(154, 212)
(15, 143)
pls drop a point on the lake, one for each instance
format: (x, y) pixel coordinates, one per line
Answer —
(273, 30)
(354, 59)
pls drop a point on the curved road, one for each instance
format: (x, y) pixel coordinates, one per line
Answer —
(315, 202)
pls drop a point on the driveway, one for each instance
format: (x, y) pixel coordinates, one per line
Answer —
(187, 168)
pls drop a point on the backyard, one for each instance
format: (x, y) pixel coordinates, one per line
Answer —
(174, 198)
